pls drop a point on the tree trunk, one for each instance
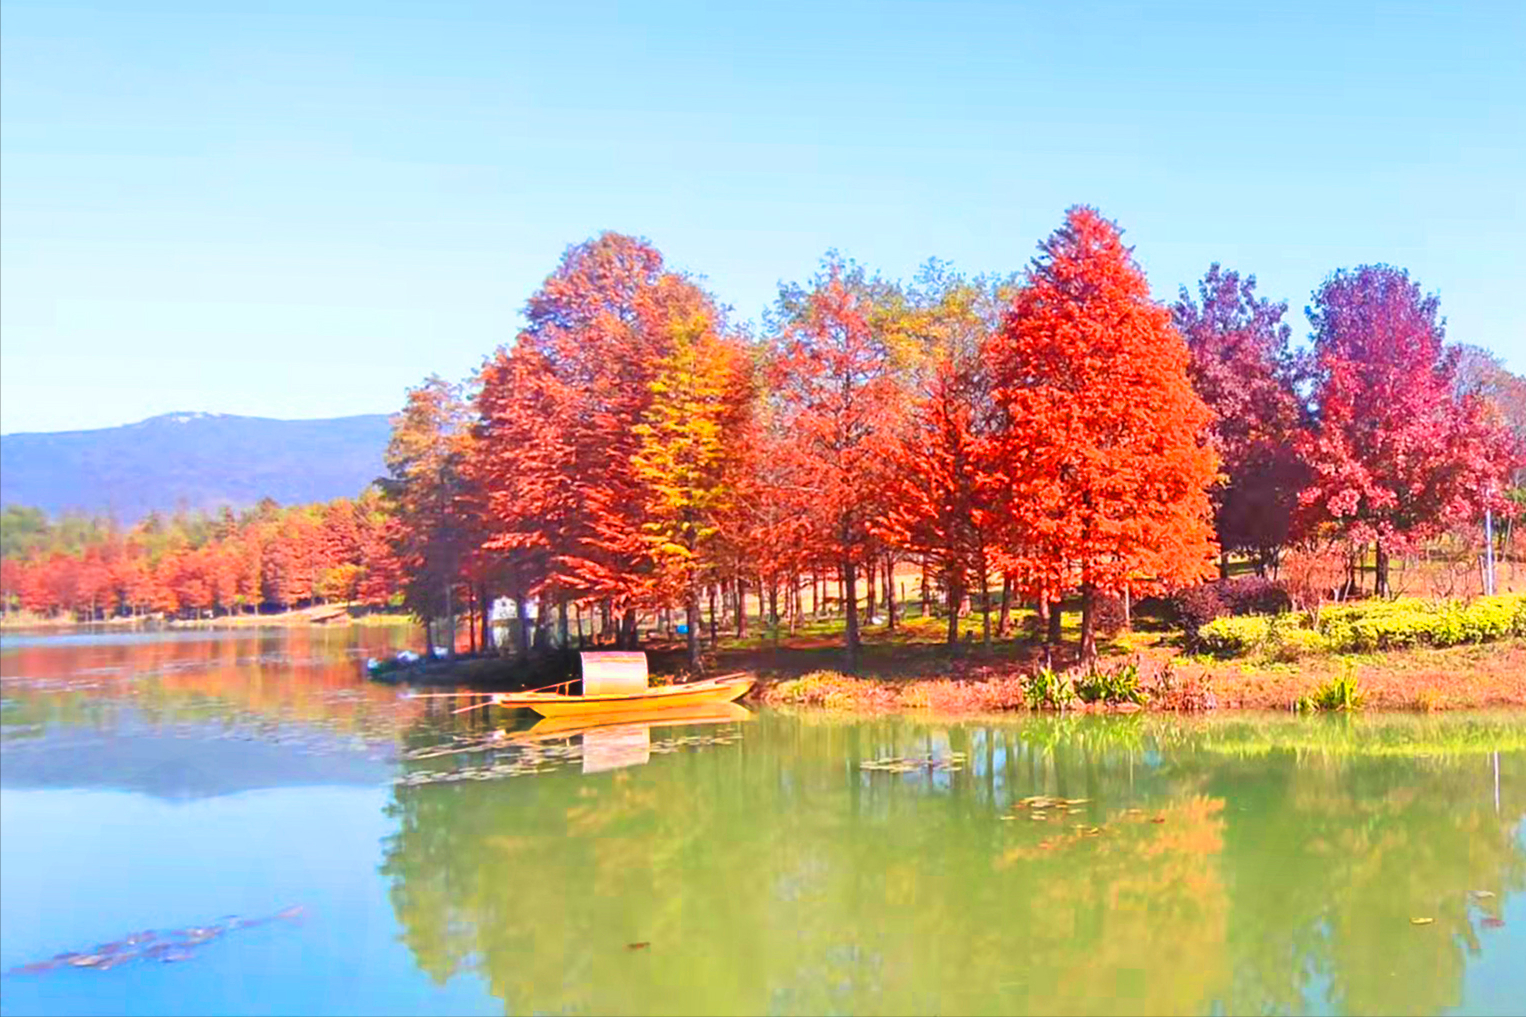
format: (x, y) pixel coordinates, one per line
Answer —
(713, 622)
(850, 604)
(890, 594)
(1128, 608)
(691, 616)
(543, 630)
(631, 635)
(869, 591)
(450, 623)
(1088, 636)
(1056, 622)
(471, 618)
(486, 617)
(955, 597)
(794, 601)
(924, 589)
(741, 606)
(985, 604)
(521, 626)
(1223, 563)
(577, 617)
(773, 601)
(1380, 584)
(1005, 617)
(561, 623)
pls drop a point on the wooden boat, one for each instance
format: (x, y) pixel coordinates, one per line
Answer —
(568, 726)
(617, 682)
(659, 697)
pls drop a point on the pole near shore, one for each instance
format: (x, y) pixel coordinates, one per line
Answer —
(1488, 552)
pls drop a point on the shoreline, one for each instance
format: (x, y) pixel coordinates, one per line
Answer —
(334, 615)
(917, 678)
(1484, 676)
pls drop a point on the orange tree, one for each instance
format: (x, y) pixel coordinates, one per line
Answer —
(838, 402)
(1102, 447)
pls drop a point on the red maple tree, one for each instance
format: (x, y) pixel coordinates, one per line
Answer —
(1395, 453)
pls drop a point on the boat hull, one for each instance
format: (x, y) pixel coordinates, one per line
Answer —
(659, 698)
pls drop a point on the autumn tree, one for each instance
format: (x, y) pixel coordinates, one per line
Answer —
(1103, 446)
(1395, 453)
(939, 496)
(424, 481)
(557, 419)
(938, 499)
(692, 444)
(840, 404)
(1243, 368)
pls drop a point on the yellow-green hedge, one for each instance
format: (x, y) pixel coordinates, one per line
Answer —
(1374, 625)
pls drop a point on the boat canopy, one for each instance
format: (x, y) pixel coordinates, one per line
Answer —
(613, 672)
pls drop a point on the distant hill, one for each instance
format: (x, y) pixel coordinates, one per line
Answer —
(195, 460)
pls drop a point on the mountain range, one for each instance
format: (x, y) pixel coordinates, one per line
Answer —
(191, 461)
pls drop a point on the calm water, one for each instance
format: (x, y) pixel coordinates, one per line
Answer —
(300, 841)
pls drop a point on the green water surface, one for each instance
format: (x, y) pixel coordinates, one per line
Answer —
(313, 843)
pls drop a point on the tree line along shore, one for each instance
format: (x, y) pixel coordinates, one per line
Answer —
(1019, 441)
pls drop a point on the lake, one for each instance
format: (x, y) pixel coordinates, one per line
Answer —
(238, 822)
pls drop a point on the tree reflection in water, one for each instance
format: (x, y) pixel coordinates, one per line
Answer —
(1232, 868)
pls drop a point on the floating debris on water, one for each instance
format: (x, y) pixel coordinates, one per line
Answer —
(1041, 802)
(1482, 894)
(518, 758)
(951, 763)
(638, 946)
(1421, 921)
(168, 947)
(1491, 922)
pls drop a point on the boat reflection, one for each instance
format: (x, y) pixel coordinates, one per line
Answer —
(618, 740)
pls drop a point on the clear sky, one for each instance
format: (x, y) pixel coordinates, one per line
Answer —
(299, 209)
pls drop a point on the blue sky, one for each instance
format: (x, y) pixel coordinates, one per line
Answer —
(299, 210)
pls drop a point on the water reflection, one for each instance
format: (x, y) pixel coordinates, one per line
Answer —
(1044, 864)
(1200, 869)
(198, 714)
(620, 740)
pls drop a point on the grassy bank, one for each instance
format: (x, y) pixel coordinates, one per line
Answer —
(1465, 677)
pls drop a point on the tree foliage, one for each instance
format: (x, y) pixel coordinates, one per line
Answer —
(188, 564)
(839, 406)
(1395, 453)
(1244, 369)
(1103, 444)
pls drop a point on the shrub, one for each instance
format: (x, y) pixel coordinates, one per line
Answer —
(1194, 607)
(1287, 643)
(1107, 614)
(1049, 689)
(1313, 572)
(1234, 637)
(1369, 625)
(1340, 693)
(1253, 595)
(1120, 685)
(1380, 625)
